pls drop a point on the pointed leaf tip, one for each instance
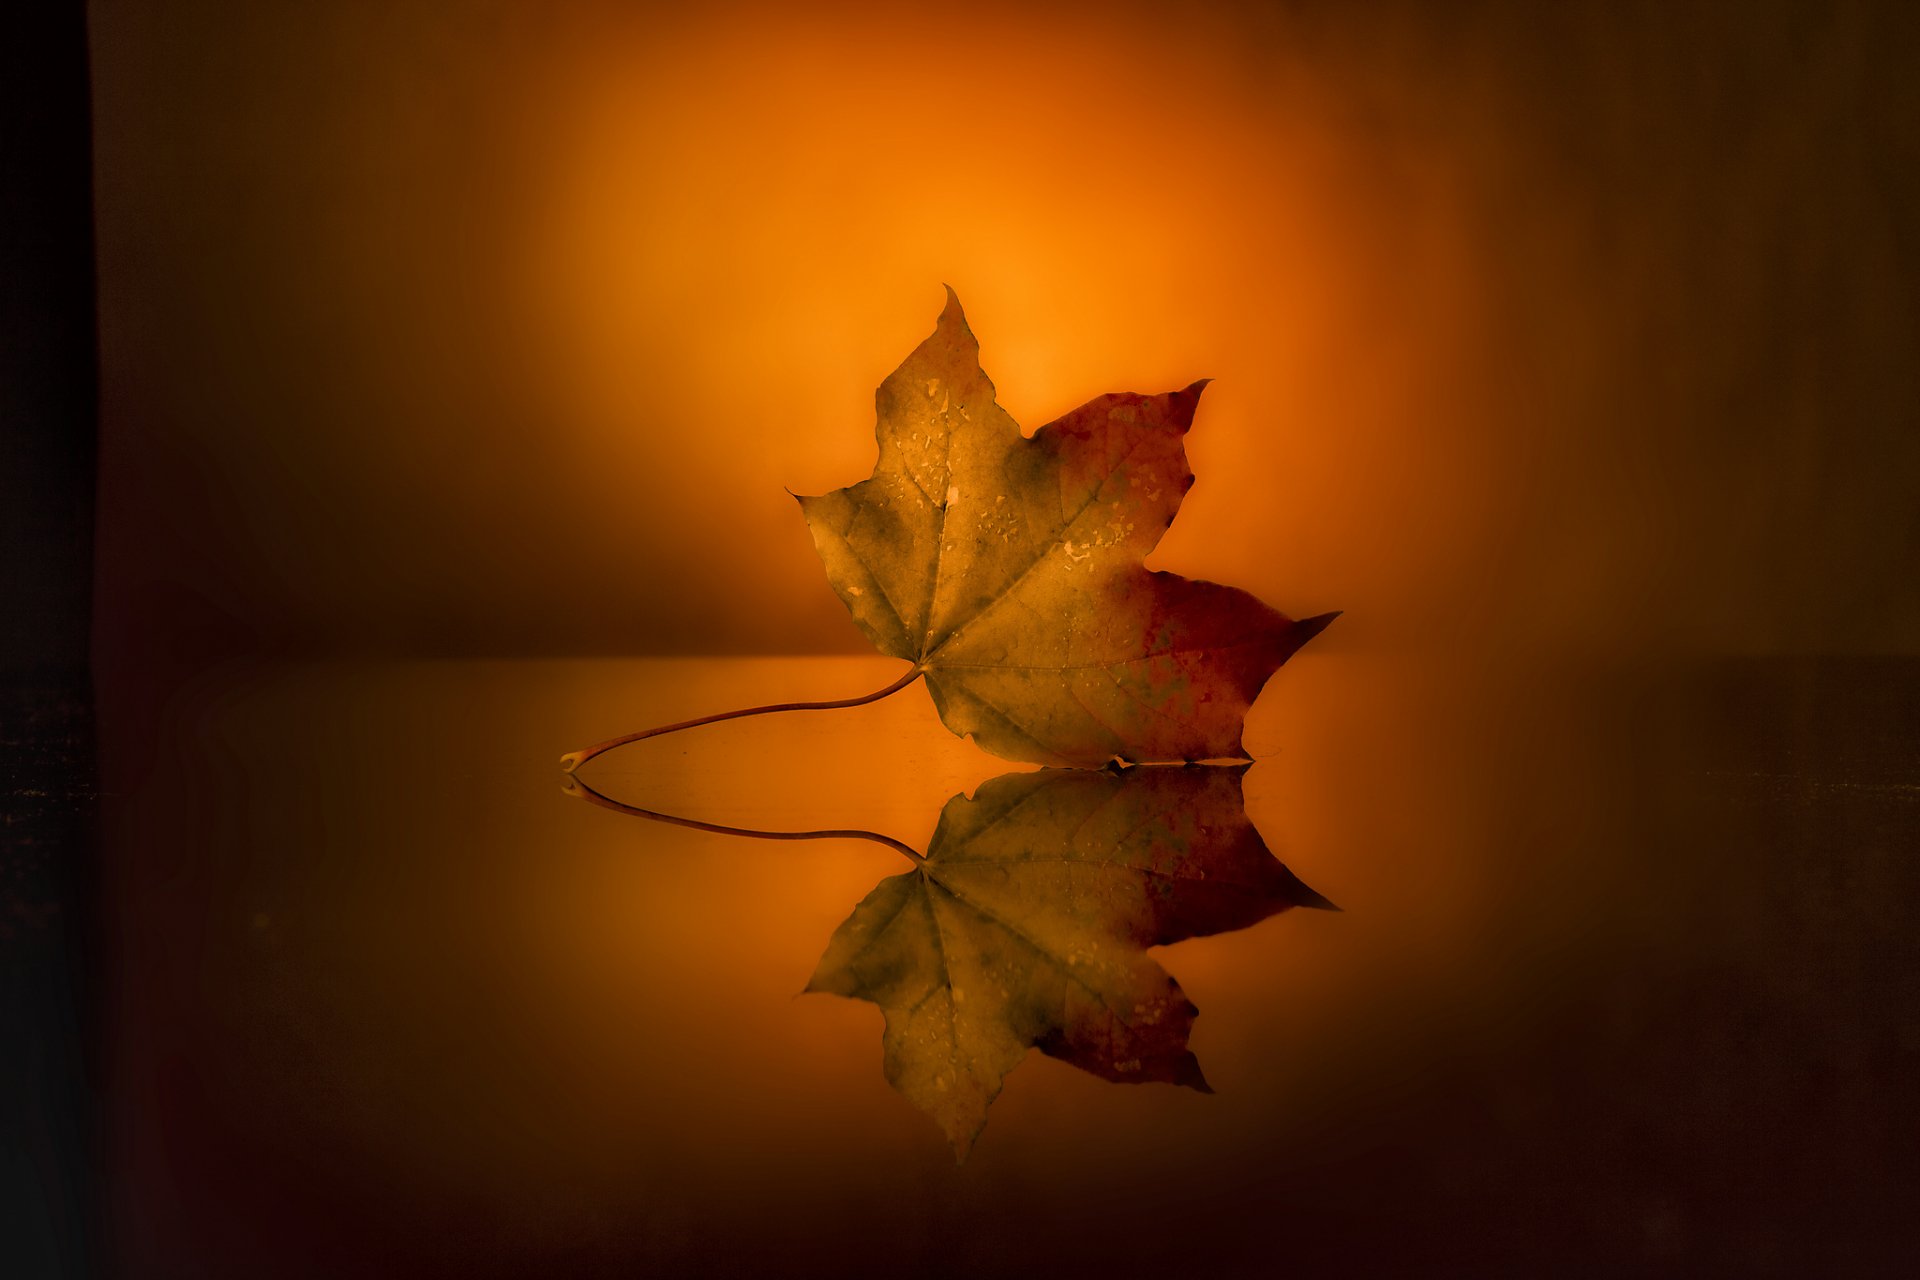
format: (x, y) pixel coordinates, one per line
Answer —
(1306, 629)
(1302, 894)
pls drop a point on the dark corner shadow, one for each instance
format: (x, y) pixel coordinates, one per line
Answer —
(51, 954)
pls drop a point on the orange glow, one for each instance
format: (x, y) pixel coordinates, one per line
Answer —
(423, 334)
(739, 240)
(523, 357)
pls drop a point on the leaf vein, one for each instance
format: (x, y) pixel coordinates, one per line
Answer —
(1041, 556)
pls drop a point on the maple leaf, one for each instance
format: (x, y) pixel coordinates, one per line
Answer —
(1008, 569)
(1026, 926)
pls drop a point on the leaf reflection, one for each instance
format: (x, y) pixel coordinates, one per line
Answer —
(1026, 923)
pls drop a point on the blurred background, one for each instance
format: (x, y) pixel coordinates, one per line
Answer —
(503, 328)
(455, 363)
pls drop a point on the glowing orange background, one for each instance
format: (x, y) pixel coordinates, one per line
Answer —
(429, 329)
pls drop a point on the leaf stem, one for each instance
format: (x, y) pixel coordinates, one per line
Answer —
(581, 791)
(574, 759)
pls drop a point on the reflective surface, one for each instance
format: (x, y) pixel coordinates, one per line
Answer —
(1025, 925)
(1620, 965)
